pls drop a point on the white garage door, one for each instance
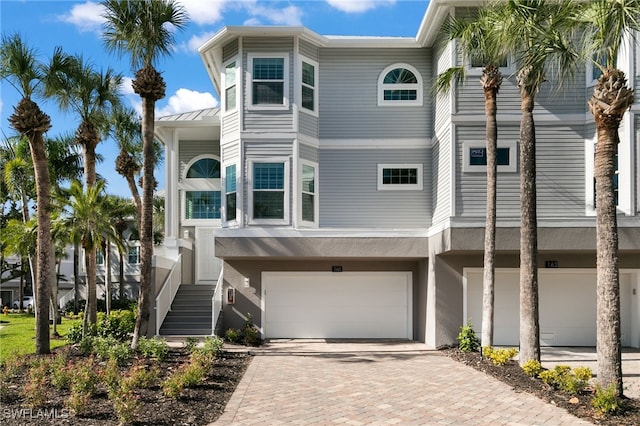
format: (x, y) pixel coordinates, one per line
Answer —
(567, 303)
(337, 305)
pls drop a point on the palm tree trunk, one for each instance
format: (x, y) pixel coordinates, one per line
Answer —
(529, 316)
(608, 284)
(91, 308)
(121, 276)
(488, 280)
(90, 315)
(76, 277)
(107, 276)
(44, 252)
(135, 194)
(21, 289)
(146, 223)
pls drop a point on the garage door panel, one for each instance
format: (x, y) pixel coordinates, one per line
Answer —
(329, 305)
(567, 304)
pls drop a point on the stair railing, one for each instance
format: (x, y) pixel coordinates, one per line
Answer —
(167, 292)
(217, 301)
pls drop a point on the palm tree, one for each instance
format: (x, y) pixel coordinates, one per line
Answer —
(608, 24)
(126, 131)
(144, 30)
(21, 68)
(20, 239)
(538, 32)
(477, 43)
(91, 95)
(88, 222)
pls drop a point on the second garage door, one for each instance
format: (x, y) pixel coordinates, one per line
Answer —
(337, 305)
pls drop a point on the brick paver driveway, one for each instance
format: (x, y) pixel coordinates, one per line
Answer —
(356, 383)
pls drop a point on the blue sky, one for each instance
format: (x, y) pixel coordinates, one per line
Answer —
(76, 27)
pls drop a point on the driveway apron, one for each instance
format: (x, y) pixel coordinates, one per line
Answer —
(357, 383)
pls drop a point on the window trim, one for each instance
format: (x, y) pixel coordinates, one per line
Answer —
(285, 82)
(286, 208)
(198, 184)
(401, 187)
(512, 167)
(223, 95)
(137, 247)
(477, 71)
(300, 85)
(417, 86)
(316, 204)
(223, 188)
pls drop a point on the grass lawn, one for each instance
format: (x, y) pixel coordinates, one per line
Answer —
(17, 334)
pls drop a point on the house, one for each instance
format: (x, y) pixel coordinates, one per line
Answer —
(332, 195)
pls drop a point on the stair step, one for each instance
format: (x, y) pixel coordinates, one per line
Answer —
(186, 332)
(190, 313)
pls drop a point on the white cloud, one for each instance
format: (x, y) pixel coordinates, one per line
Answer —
(198, 40)
(358, 6)
(125, 87)
(86, 16)
(290, 15)
(185, 100)
(204, 11)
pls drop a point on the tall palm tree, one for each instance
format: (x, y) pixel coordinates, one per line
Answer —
(127, 132)
(91, 95)
(608, 24)
(478, 44)
(539, 33)
(144, 30)
(88, 222)
(21, 68)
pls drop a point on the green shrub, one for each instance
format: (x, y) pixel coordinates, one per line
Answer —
(499, 356)
(141, 376)
(74, 334)
(467, 340)
(532, 368)
(153, 348)
(190, 343)
(60, 371)
(118, 324)
(83, 385)
(233, 335)
(111, 348)
(606, 400)
(562, 377)
(35, 391)
(212, 346)
(173, 386)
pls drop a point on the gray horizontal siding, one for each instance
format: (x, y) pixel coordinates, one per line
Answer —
(441, 175)
(230, 50)
(187, 150)
(307, 152)
(560, 167)
(263, 119)
(349, 195)
(230, 123)
(309, 50)
(230, 152)
(348, 95)
(308, 124)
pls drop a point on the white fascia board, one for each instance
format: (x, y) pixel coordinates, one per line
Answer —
(371, 42)
(434, 17)
(288, 232)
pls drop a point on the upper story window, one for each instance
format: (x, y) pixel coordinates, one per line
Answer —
(269, 199)
(231, 193)
(309, 193)
(229, 82)
(594, 69)
(400, 177)
(269, 81)
(400, 84)
(308, 86)
(133, 257)
(201, 198)
(474, 156)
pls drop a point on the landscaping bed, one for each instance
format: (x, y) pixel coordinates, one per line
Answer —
(579, 405)
(198, 404)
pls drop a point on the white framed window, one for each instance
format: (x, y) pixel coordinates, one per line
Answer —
(230, 85)
(269, 82)
(200, 187)
(400, 177)
(475, 66)
(99, 257)
(474, 156)
(230, 202)
(400, 85)
(594, 69)
(133, 256)
(269, 194)
(308, 86)
(309, 207)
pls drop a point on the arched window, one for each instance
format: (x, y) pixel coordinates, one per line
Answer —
(205, 168)
(400, 84)
(201, 186)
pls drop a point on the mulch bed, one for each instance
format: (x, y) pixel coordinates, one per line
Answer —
(512, 375)
(200, 405)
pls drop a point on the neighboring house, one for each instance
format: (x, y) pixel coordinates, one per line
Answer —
(10, 290)
(333, 195)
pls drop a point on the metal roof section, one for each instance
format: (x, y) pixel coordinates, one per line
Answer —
(209, 115)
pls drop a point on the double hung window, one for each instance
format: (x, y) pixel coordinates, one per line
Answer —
(269, 81)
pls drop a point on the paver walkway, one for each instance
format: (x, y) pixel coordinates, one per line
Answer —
(316, 383)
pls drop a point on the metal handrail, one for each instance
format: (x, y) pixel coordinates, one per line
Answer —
(167, 292)
(217, 301)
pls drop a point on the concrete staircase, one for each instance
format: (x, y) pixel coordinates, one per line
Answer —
(190, 313)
